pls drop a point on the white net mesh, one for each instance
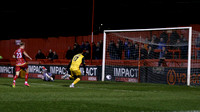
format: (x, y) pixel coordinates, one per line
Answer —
(195, 62)
(152, 56)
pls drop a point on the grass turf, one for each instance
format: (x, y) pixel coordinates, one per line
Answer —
(95, 97)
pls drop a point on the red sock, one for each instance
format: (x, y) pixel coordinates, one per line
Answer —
(15, 78)
(26, 77)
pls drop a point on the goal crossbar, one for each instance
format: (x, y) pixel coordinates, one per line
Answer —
(149, 29)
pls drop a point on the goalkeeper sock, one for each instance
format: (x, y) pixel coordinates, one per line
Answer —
(15, 78)
(76, 81)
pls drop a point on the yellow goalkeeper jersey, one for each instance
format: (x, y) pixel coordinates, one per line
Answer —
(76, 61)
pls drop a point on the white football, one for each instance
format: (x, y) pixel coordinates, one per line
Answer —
(108, 77)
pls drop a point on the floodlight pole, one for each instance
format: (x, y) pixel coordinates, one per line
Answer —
(92, 32)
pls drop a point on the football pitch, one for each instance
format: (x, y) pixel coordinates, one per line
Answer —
(96, 97)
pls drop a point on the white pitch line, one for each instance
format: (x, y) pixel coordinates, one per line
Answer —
(43, 84)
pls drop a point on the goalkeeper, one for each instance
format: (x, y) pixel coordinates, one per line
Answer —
(74, 67)
(46, 76)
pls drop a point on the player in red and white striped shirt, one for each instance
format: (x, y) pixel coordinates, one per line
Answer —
(19, 55)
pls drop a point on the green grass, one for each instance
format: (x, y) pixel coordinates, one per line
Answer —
(95, 97)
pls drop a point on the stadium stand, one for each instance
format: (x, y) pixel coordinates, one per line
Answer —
(7, 47)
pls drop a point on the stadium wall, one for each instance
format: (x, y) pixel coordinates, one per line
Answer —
(58, 44)
(7, 47)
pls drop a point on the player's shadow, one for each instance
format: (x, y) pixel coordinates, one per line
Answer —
(65, 85)
(6, 85)
(9, 85)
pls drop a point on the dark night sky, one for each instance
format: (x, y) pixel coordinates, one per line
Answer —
(39, 19)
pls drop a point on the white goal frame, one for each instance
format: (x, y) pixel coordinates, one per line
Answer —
(151, 29)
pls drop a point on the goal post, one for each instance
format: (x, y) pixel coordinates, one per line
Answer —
(126, 67)
(189, 56)
(104, 55)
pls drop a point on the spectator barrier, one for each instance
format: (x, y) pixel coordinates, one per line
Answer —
(173, 73)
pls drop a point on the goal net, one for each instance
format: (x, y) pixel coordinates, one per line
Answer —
(159, 55)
